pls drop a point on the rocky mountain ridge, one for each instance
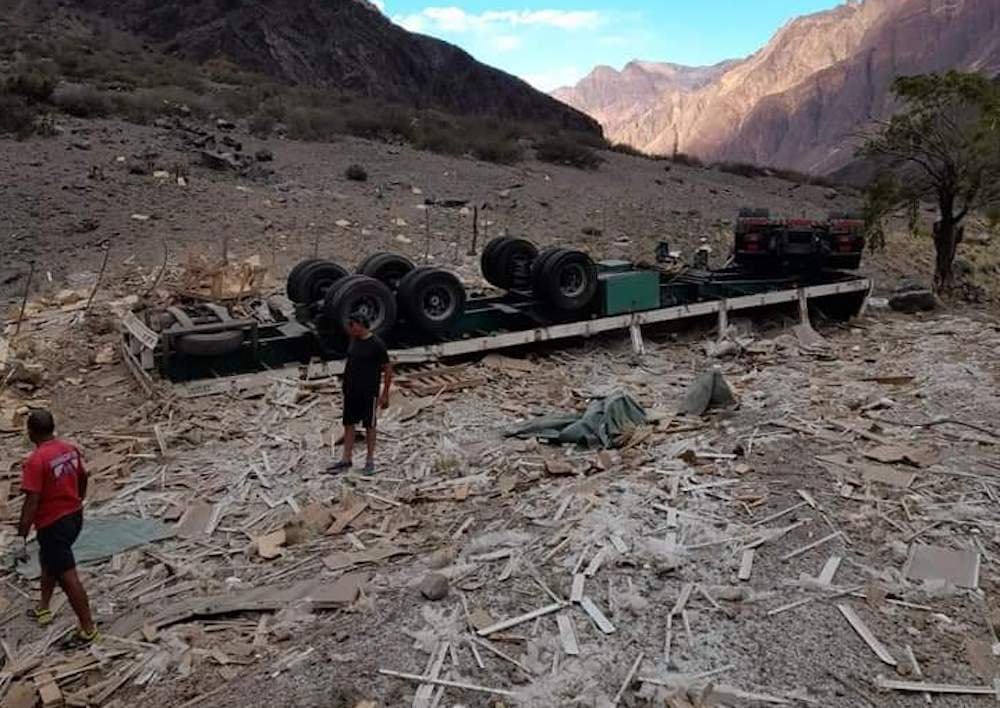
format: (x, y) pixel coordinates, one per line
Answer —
(799, 101)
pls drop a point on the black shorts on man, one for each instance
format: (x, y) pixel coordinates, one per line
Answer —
(55, 544)
(360, 410)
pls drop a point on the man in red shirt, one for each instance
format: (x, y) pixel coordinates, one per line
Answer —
(54, 483)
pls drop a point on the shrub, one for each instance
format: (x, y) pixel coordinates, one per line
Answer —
(743, 169)
(561, 150)
(17, 116)
(502, 151)
(356, 173)
(681, 158)
(81, 101)
(313, 123)
(34, 85)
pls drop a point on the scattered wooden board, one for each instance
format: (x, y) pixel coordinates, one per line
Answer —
(866, 634)
(567, 634)
(884, 474)
(746, 564)
(829, 570)
(958, 567)
(922, 687)
(596, 616)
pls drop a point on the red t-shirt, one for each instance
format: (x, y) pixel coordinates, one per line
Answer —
(53, 471)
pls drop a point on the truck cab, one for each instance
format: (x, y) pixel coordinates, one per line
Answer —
(763, 242)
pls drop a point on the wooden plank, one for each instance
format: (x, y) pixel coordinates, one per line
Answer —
(923, 687)
(829, 570)
(194, 523)
(746, 565)
(866, 634)
(48, 691)
(810, 546)
(443, 682)
(567, 634)
(595, 563)
(514, 621)
(576, 594)
(628, 679)
(595, 614)
(682, 598)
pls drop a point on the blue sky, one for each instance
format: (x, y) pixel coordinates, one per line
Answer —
(551, 43)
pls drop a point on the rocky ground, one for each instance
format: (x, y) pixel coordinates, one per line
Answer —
(864, 444)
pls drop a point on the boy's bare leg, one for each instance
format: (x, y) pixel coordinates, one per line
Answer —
(78, 600)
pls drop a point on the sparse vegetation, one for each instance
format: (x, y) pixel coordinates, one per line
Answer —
(944, 146)
(564, 150)
(681, 158)
(115, 75)
(17, 116)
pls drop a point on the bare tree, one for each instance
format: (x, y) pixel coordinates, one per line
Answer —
(944, 147)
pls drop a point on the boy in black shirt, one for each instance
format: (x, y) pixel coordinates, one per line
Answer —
(367, 361)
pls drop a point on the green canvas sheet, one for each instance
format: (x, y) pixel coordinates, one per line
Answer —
(101, 538)
(605, 420)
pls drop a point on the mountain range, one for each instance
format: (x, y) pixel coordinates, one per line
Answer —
(800, 101)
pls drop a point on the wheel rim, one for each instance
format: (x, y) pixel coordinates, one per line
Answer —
(370, 308)
(572, 280)
(322, 286)
(392, 276)
(438, 303)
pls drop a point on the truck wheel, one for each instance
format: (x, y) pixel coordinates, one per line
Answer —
(487, 262)
(432, 299)
(388, 268)
(316, 279)
(293, 286)
(510, 264)
(210, 343)
(361, 295)
(566, 280)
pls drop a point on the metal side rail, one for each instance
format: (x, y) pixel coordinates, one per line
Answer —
(723, 308)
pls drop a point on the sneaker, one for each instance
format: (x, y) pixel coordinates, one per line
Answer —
(339, 467)
(370, 467)
(80, 639)
(42, 617)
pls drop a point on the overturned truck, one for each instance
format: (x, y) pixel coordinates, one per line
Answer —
(425, 313)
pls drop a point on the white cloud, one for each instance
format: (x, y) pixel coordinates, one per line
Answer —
(455, 19)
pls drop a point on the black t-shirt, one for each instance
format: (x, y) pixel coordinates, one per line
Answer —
(365, 359)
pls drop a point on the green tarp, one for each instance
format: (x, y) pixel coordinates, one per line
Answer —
(605, 420)
(101, 538)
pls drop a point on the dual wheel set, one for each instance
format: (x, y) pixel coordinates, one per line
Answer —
(388, 287)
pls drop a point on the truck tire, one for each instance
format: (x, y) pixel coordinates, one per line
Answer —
(388, 268)
(486, 260)
(210, 343)
(432, 299)
(316, 279)
(510, 264)
(293, 284)
(361, 294)
(565, 280)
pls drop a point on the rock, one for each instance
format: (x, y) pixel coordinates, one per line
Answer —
(223, 124)
(139, 167)
(264, 155)
(978, 238)
(232, 143)
(105, 355)
(434, 587)
(29, 374)
(911, 297)
(441, 558)
(81, 144)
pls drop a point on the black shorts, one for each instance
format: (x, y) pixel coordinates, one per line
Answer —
(55, 544)
(361, 409)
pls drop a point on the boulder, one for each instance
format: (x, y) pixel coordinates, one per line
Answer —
(911, 297)
(264, 155)
(434, 587)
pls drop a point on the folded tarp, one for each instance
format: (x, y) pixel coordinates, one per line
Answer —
(604, 422)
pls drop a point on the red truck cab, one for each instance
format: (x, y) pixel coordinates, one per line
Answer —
(766, 243)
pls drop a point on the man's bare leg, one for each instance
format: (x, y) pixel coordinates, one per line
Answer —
(349, 435)
(370, 442)
(48, 587)
(78, 600)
